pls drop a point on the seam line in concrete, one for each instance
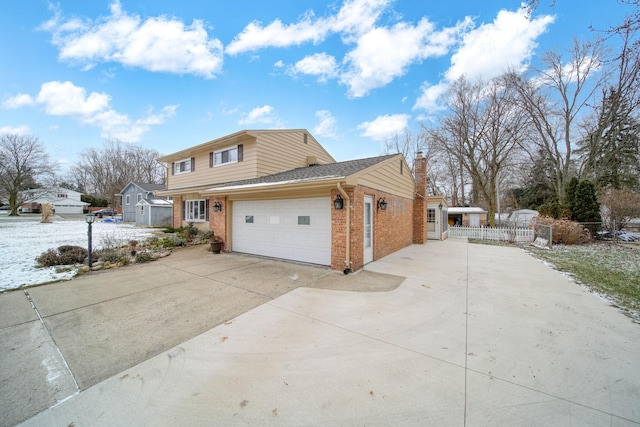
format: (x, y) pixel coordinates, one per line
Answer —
(466, 333)
(64, 360)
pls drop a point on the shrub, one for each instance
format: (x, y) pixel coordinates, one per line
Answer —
(113, 256)
(72, 255)
(142, 257)
(48, 258)
(64, 255)
(565, 231)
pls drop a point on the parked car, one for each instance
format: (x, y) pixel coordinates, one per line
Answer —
(619, 235)
(104, 212)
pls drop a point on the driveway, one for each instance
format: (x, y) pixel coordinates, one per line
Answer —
(474, 335)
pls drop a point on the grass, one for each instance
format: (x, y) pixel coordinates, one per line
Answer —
(605, 268)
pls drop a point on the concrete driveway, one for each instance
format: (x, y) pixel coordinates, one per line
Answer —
(475, 335)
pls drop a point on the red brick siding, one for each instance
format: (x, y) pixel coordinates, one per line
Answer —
(218, 220)
(177, 211)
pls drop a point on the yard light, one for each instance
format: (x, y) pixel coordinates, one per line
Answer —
(90, 220)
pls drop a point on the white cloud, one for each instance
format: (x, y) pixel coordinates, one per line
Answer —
(383, 127)
(489, 50)
(66, 99)
(383, 54)
(160, 44)
(354, 17)
(22, 100)
(16, 130)
(509, 41)
(327, 126)
(261, 115)
(320, 64)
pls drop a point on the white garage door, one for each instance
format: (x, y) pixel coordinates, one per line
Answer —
(295, 229)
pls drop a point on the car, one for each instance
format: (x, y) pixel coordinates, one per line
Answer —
(104, 212)
(617, 235)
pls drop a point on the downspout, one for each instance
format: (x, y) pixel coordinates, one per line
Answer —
(347, 262)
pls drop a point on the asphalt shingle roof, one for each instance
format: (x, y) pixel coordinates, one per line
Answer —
(311, 173)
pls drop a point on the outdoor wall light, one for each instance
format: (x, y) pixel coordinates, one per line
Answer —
(338, 203)
(440, 206)
(217, 207)
(382, 204)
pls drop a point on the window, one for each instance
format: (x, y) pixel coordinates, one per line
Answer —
(62, 196)
(431, 215)
(248, 219)
(304, 220)
(127, 199)
(184, 166)
(229, 155)
(139, 196)
(196, 210)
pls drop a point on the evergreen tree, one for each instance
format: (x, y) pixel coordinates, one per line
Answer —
(587, 208)
(570, 196)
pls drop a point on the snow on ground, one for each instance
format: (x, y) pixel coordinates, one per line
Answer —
(24, 238)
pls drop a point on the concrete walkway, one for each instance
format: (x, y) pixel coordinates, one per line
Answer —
(475, 335)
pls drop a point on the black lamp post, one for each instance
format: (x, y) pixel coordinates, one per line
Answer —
(90, 220)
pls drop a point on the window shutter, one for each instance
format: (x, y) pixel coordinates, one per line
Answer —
(211, 159)
(193, 164)
(184, 210)
(240, 152)
(206, 210)
(173, 168)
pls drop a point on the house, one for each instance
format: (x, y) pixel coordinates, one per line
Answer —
(467, 217)
(64, 201)
(279, 193)
(140, 205)
(437, 218)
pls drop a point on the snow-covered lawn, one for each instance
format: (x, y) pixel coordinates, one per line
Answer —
(24, 238)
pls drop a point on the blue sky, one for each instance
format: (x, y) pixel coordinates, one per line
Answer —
(168, 75)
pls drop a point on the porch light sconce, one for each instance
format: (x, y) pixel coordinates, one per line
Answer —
(440, 206)
(338, 203)
(217, 207)
(382, 204)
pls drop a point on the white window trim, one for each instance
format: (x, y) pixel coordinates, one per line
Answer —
(179, 172)
(139, 197)
(127, 199)
(216, 164)
(202, 213)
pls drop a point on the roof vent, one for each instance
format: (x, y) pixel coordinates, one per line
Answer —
(312, 161)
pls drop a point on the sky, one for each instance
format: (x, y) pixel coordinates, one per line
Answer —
(168, 75)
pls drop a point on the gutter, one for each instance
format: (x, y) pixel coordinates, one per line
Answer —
(347, 261)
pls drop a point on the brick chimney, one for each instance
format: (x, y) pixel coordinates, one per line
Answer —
(420, 200)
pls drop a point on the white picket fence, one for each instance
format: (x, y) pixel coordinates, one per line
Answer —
(486, 233)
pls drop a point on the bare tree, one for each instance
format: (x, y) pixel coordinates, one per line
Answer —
(620, 206)
(482, 131)
(105, 172)
(554, 98)
(24, 164)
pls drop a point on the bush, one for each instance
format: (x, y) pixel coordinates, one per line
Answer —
(114, 256)
(142, 257)
(565, 231)
(64, 255)
(48, 258)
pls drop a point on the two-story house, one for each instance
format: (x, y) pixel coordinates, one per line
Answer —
(278, 193)
(140, 205)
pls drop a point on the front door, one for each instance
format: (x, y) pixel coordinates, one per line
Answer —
(368, 229)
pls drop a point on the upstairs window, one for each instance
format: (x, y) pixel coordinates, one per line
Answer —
(228, 155)
(184, 166)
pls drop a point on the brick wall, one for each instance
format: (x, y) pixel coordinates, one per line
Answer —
(392, 228)
(177, 211)
(420, 200)
(218, 220)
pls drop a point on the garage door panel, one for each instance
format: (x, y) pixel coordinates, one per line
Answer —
(276, 232)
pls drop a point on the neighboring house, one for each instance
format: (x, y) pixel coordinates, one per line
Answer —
(467, 217)
(278, 193)
(437, 218)
(64, 201)
(138, 195)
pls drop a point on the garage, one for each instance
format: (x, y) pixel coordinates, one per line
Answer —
(293, 229)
